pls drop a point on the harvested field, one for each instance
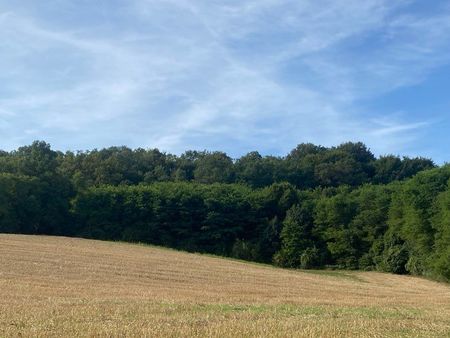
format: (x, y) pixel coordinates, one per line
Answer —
(54, 286)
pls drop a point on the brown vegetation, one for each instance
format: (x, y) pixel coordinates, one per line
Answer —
(52, 286)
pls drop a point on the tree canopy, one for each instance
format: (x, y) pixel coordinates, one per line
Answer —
(338, 207)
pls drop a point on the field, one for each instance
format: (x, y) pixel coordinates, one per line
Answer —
(52, 286)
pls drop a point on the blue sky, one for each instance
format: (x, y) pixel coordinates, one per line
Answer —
(232, 75)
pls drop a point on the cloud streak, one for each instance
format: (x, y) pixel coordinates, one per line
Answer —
(235, 75)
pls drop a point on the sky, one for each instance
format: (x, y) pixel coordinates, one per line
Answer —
(230, 75)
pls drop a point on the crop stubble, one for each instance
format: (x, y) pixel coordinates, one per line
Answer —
(55, 286)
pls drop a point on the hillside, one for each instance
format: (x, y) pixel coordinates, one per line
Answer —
(54, 286)
(316, 207)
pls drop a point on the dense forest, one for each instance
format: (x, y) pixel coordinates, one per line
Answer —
(338, 207)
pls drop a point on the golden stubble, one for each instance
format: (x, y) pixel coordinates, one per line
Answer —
(59, 287)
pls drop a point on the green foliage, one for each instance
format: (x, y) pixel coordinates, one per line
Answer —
(296, 238)
(310, 258)
(391, 168)
(440, 259)
(307, 166)
(413, 218)
(194, 217)
(20, 204)
(254, 170)
(244, 250)
(316, 207)
(214, 167)
(395, 259)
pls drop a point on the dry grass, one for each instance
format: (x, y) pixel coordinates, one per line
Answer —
(63, 287)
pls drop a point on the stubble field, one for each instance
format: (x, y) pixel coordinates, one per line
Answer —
(63, 287)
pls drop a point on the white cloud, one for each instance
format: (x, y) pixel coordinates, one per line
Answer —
(235, 75)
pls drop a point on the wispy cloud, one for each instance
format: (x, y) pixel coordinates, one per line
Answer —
(234, 75)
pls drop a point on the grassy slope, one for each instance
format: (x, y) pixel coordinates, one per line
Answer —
(53, 286)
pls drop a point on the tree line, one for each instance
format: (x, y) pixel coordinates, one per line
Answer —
(338, 207)
(307, 166)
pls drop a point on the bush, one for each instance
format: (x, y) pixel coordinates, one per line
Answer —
(395, 259)
(310, 258)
